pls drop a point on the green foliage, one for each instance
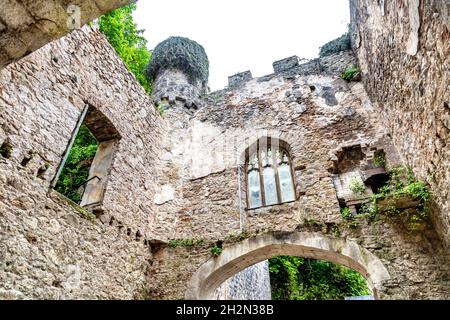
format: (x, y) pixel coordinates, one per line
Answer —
(337, 45)
(180, 53)
(122, 33)
(6, 150)
(369, 210)
(216, 250)
(350, 72)
(379, 160)
(335, 231)
(313, 223)
(357, 186)
(76, 168)
(401, 185)
(294, 278)
(185, 243)
(347, 214)
(353, 224)
(417, 190)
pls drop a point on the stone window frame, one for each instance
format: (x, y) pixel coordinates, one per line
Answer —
(263, 144)
(108, 138)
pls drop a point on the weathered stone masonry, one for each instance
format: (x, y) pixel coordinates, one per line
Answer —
(47, 249)
(319, 115)
(181, 177)
(26, 26)
(404, 51)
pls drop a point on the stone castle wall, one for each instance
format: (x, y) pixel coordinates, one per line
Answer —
(181, 177)
(404, 51)
(50, 248)
(316, 114)
(320, 116)
(252, 283)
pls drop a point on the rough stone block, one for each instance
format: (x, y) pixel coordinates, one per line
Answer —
(15, 15)
(285, 64)
(239, 78)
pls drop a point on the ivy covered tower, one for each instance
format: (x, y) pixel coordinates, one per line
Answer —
(179, 69)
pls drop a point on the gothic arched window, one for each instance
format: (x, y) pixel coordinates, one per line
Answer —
(269, 177)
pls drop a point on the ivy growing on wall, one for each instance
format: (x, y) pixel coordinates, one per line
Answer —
(403, 197)
(180, 53)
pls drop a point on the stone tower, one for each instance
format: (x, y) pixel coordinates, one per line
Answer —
(179, 69)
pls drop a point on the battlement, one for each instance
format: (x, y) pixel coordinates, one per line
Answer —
(333, 64)
(285, 64)
(239, 78)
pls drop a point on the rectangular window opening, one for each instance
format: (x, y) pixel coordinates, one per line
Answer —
(84, 170)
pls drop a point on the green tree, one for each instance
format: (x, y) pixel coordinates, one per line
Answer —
(76, 168)
(122, 33)
(294, 278)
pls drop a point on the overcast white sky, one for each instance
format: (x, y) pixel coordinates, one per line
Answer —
(240, 35)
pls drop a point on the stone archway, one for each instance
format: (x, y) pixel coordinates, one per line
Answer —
(304, 244)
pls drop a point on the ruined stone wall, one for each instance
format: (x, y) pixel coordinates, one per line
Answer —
(252, 283)
(404, 52)
(181, 177)
(319, 115)
(50, 248)
(316, 114)
(417, 264)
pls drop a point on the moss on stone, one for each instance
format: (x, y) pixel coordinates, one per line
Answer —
(232, 238)
(351, 73)
(313, 225)
(216, 250)
(6, 150)
(186, 243)
(179, 53)
(79, 210)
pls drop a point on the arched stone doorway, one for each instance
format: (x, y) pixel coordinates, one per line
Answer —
(303, 244)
